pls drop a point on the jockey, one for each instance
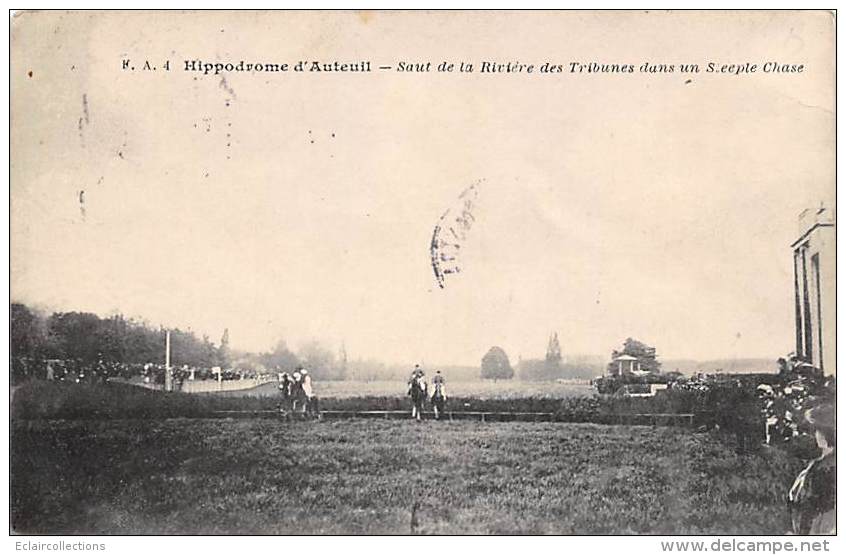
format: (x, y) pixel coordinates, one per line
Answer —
(415, 373)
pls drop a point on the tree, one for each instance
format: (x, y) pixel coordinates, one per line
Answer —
(646, 355)
(552, 362)
(495, 365)
(76, 335)
(142, 344)
(89, 338)
(320, 360)
(223, 354)
(110, 339)
(211, 355)
(342, 361)
(26, 331)
(280, 358)
(186, 348)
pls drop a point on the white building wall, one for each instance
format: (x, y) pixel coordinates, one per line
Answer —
(815, 283)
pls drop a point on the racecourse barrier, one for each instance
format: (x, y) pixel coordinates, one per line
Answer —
(200, 386)
(403, 414)
(211, 386)
(655, 419)
(446, 415)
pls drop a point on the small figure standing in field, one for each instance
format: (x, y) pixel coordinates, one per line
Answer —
(297, 394)
(438, 394)
(285, 384)
(419, 391)
(310, 407)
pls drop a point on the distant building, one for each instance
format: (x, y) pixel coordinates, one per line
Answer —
(815, 288)
(625, 364)
(636, 358)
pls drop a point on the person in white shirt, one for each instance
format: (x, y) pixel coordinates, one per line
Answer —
(311, 404)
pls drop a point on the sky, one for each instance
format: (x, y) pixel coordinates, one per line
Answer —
(302, 206)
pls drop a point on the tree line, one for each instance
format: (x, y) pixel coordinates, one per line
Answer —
(89, 338)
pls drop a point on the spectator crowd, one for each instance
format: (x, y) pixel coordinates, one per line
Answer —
(77, 371)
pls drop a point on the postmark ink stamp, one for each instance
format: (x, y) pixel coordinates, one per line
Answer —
(450, 234)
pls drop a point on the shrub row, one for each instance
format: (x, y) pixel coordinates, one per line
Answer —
(727, 408)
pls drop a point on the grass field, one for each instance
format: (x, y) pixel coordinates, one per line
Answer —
(479, 389)
(258, 476)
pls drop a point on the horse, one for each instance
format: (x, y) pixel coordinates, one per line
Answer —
(299, 400)
(286, 405)
(438, 400)
(418, 390)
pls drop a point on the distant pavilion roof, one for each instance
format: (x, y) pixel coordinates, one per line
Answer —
(625, 357)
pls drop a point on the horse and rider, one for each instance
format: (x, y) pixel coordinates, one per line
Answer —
(298, 398)
(299, 401)
(438, 394)
(418, 390)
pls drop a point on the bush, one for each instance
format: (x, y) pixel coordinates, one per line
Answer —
(57, 400)
(495, 365)
(60, 400)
